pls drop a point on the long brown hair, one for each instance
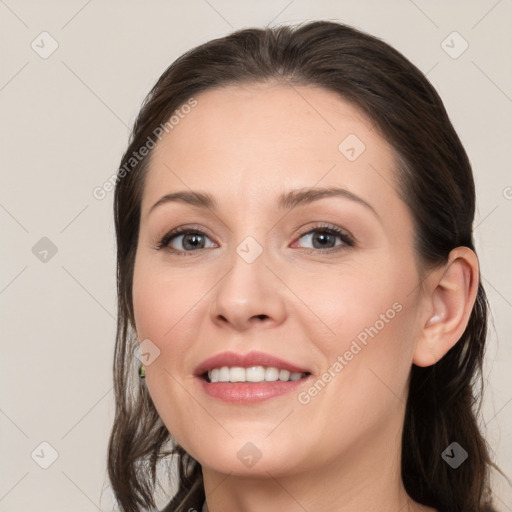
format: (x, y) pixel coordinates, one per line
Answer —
(435, 180)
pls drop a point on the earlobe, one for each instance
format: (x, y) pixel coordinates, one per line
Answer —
(453, 290)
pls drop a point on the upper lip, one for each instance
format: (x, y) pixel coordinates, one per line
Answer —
(253, 358)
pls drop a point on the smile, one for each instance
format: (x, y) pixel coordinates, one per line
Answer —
(252, 374)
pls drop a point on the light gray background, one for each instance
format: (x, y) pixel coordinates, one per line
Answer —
(64, 124)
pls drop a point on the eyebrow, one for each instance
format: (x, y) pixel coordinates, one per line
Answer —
(285, 201)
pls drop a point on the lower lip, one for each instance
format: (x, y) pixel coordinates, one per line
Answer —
(250, 392)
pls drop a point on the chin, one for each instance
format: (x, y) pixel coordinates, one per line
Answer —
(242, 456)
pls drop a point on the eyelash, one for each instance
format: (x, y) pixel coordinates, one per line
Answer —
(346, 238)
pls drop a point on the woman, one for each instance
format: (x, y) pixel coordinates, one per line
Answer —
(297, 271)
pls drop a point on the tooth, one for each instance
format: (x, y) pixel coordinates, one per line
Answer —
(237, 374)
(255, 374)
(284, 375)
(252, 374)
(224, 374)
(271, 374)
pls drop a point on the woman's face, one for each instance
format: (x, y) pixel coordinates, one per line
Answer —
(256, 273)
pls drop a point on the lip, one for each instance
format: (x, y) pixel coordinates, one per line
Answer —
(248, 392)
(253, 358)
(243, 393)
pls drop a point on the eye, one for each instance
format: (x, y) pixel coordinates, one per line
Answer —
(183, 240)
(327, 237)
(323, 238)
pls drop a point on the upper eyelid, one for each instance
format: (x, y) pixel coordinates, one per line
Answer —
(345, 235)
(336, 230)
(191, 229)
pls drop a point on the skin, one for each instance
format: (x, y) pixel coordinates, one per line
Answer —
(245, 145)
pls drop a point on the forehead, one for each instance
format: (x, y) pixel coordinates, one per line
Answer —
(245, 143)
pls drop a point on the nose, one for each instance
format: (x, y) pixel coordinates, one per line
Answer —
(249, 295)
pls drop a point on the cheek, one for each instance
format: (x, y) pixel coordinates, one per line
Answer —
(365, 322)
(365, 378)
(164, 302)
(167, 308)
(347, 300)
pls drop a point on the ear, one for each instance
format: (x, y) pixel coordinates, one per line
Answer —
(451, 293)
